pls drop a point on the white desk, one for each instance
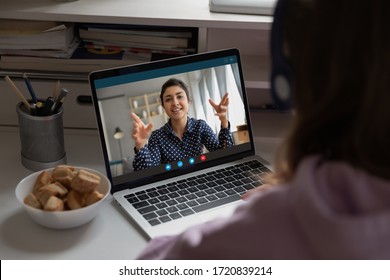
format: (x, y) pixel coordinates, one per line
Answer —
(149, 12)
(110, 235)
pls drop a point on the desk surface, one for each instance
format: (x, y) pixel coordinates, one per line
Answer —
(150, 12)
(111, 235)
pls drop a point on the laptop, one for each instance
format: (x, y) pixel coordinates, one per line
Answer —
(169, 197)
(255, 7)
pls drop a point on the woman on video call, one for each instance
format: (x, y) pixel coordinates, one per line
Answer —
(182, 136)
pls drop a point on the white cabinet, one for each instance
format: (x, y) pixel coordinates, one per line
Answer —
(249, 33)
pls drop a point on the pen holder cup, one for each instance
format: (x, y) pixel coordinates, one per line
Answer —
(41, 139)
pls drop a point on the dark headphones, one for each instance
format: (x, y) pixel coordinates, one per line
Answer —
(281, 73)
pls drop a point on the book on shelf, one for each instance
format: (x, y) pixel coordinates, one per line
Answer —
(158, 38)
(83, 60)
(161, 31)
(34, 35)
(139, 47)
(138, 50)
(105, 36)
(152, 30)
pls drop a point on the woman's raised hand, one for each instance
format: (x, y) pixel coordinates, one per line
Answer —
(140, 132)
(221, 109)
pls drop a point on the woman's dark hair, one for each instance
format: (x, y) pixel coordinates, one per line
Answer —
(340, 57)
(174, 82)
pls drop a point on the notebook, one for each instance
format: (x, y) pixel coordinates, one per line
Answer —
(168, 197)
(256, 7)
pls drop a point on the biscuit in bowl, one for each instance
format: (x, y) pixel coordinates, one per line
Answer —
(47, 204)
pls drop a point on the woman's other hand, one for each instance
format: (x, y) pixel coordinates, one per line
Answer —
(221, 109)
(140, 132)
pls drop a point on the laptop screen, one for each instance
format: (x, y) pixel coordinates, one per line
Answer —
(119, 92)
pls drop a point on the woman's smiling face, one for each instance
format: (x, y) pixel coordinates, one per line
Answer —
(175, 102)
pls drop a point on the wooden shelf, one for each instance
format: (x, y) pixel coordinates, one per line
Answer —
(146, 106)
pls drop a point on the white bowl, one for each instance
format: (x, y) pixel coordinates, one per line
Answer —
(61, 219)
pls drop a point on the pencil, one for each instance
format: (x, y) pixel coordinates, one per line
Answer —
(56, 90)
(17, 91)
(60, 100)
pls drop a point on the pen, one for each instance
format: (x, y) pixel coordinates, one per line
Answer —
(46, 109)
(60, 100)
(17, 91)
(30, 88)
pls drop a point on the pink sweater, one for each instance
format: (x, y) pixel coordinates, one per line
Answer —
(329, 211)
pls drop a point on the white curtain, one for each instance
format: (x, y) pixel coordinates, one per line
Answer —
(208, 109)
(196, 110)
(236, 105)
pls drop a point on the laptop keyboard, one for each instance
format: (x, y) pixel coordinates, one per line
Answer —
(185, 197)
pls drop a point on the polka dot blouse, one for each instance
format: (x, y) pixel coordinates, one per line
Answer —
(164, 146)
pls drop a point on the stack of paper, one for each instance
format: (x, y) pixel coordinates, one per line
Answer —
(37, 38)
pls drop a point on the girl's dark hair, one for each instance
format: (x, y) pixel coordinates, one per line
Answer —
(174, 82)
(341, 84)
